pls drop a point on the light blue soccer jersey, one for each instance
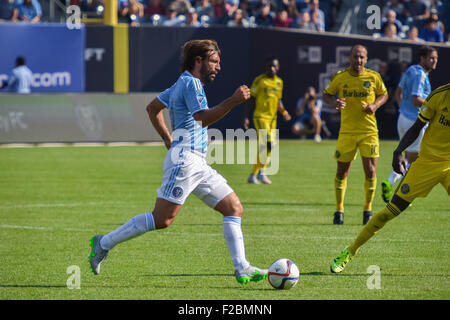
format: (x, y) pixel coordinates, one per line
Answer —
(184, 99)
(20, 79)
(414, 82)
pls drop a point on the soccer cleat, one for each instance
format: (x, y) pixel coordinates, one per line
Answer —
(251, 274)
(339, 263)
(338, 218)
(386, 190)
(263, 178)
(98, 254)
(367, 215)
(252, 179)
(317, 138)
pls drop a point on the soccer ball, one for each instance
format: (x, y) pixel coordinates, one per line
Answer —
(283, 274)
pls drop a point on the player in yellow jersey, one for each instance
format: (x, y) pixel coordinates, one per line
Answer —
(431, 168)
(357, 92)
(267, 91)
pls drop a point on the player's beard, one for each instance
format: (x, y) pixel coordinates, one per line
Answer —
(207, 74)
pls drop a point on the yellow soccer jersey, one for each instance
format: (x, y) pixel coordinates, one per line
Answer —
(267, 93)
(435, 144)
(358, 90)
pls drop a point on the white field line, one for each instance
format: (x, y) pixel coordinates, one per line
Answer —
(203, 234)
(79, 144)
(10, 226)
(60, 205)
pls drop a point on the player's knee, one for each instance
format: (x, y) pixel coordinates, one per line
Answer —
(163, 223)
(237, 209)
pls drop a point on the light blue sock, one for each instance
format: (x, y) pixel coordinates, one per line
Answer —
(232, 233)
(133, 228)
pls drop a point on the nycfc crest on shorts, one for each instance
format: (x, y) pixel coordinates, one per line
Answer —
(177, 192)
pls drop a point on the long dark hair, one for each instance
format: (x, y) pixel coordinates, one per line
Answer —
(197, 48)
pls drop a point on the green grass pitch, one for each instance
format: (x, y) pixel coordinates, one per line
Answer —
(52, 200)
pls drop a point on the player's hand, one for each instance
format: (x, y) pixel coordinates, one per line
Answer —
(246, 123)
(369, 108)
(241, 94)
(287, 117)
(399, 163)
(339, 104)
(168, 142)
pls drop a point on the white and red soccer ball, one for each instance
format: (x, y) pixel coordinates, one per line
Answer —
(283, 274)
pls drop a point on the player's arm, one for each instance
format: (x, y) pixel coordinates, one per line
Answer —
(398, 162)
(283, 111)
(337, 103)
(155, 113)
(209, 116)
(417, 101)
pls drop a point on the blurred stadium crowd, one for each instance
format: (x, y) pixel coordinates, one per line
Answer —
(416, 20)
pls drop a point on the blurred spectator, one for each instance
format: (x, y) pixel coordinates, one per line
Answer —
(246, 7)
(219, 11)
(391, 17)
(335, 7)
(282, 19)
(417, 10)
(192, 18)
(390, 32)
(238, 20)
(264, 17)
(231, 6)
(281, 4)
(303, 21)
(204, 8)
(431, 32)
(413, 34)
(317, 21)
(155, 7)
(19, 81)
(394, 5)
(8, 10)
(292, 10)
(29, 11)
(181, 6)
(172, 19)
(133, 10)
(308, 112)
(317, 15)
(434, 15)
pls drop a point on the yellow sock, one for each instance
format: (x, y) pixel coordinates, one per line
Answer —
(370, 185)
(340, 186)
(373, 226)
(256, 168)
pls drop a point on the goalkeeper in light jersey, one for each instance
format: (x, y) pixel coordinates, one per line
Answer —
(431, 168)
(357, 92)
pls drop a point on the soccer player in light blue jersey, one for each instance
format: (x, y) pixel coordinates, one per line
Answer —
(19, 81)
(185, 167)
(413, 89)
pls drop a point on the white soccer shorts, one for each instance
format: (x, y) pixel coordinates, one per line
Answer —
(403, 125)
(187, 172)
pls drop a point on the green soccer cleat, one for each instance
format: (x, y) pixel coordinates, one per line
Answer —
(341, 261)
(251, 274)
(386, 190)
(98, 254)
